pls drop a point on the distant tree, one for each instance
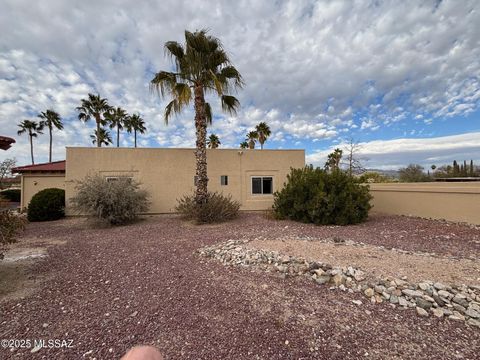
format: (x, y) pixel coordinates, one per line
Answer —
(456, 168)
(51, 120)
(374, 177)
(94, 107)
(102, 136)
(263, 132)
(244, 145)
(116, 118)
(333, 160)
(252, 137)
(136, 124)
(32, 128)
(353, 162)
(472, 171)
(413, 173)
(213, 141)
(6, 167)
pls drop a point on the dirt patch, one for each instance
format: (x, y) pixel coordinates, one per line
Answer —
(379, 262)
(17, 277)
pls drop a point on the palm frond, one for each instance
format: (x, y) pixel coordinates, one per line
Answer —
(230, 104)
(163, 82)
(208, 113)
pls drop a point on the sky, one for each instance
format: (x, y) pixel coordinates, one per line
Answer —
(401, 78)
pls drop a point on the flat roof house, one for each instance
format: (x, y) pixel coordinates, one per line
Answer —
(250, 176)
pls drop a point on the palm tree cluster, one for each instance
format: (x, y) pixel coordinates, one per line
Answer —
(260, 134)
(94, 107)
(97, 108)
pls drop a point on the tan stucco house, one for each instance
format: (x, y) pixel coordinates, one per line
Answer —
(250, 176)
(35, 178)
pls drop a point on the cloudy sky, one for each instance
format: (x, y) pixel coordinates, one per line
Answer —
(400, 77)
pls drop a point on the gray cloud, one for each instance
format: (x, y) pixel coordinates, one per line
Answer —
(310, 67)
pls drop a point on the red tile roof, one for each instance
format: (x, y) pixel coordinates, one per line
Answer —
(5, 142)
(55, 166)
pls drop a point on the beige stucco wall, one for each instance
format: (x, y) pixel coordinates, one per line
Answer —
(440, 200)
(33, 183)
(167, 174)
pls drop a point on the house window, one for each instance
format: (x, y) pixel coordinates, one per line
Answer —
(116, 178)
(262, 185)
(224, 180)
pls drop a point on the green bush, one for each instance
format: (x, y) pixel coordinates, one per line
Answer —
(11, 195)
(115, 202)
(47, 205)
(218, 208)
(316, 196)
(11, 223)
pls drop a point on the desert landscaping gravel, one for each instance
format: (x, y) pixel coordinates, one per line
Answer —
(108, 289)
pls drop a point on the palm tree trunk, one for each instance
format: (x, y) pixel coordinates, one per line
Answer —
(50, 150)
(118, 135)
(99, 142)
(31, 148)
(135, 136)
(201, 151)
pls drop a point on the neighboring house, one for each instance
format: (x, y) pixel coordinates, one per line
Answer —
(38, 177)
(250, 176)
(6, 142)
(11, 182)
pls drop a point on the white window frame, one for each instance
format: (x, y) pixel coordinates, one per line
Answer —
(261, 184)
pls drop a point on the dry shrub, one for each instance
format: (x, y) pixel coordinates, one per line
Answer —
(218, 208)
(115, 202)
(11, 223)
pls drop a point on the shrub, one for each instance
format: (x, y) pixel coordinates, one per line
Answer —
(11, 195)
(116, 202)
(218, 208)
(316, 196)
(11, 224)
(47, 205)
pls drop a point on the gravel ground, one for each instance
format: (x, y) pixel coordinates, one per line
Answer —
(111, 288)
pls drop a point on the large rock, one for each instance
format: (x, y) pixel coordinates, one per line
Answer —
(444, 294)
(402, 301)
(439, 300)
(421, 312)
(474, 322)
(472, 313)
(338, 279)
(424, 304)
(437, 312)
(325, 278)
(369, 292)
(412, 293)
(460, 299)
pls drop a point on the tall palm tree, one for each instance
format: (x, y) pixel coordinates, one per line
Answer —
(32, 128)
(103, 137)
(116, 118)
(50, 119)
(201, 66)
(213, 141)
(244, 145)
(136, 124)
(263, 132)
(94, 107)
(252, 137)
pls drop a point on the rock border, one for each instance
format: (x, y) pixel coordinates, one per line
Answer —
(455, 302)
